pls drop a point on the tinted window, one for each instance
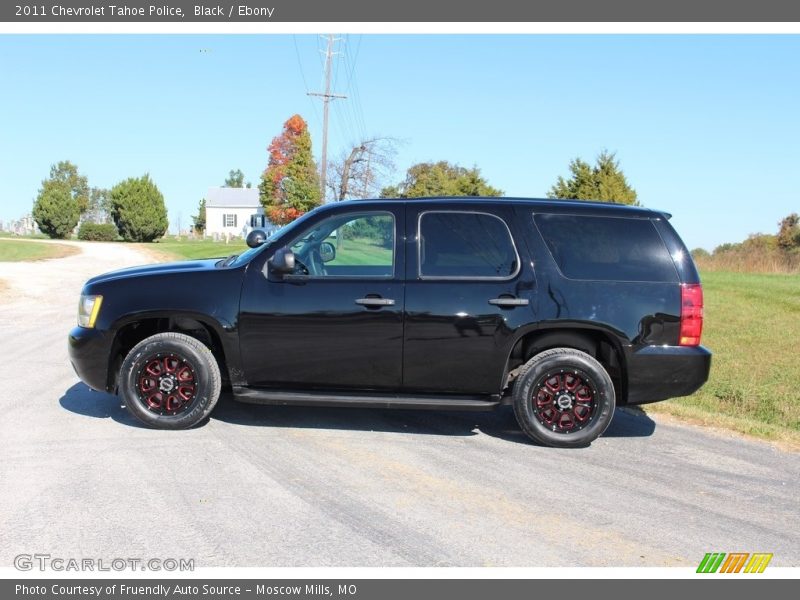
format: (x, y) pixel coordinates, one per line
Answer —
(348, 246)
(606, 248)
(461, 244)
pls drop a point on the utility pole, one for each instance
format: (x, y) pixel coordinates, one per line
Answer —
(326, 96)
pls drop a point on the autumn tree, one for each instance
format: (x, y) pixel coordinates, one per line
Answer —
(604, 181)
(360, 171)
(290, 184)
(440, 179)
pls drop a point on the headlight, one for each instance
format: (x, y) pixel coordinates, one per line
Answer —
(88, 308)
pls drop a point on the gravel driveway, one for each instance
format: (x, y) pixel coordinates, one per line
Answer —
(272, 486)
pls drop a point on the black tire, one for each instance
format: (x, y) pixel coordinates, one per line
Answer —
(170, 381)
(544, 402)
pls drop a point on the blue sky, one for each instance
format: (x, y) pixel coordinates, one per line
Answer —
(706, 127)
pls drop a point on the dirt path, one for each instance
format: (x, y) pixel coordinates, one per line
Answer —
(53, 286)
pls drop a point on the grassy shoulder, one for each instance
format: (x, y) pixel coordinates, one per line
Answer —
(12, 250)
(186, 249)
(752, 324)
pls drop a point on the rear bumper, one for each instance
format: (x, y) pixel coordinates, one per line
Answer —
(88, 353)
(660, 372)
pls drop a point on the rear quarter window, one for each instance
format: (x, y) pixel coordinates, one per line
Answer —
(606, 248)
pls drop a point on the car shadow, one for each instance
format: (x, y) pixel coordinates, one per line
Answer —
(82, 400)
(500, 423)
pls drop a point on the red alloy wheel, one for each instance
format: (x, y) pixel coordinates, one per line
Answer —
(564, 400)
(167, 384)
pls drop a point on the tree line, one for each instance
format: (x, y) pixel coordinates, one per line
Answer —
(759, 253)
(134, 209)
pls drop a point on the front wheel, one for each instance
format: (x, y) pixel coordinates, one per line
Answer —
(563, 398)
(170, 381)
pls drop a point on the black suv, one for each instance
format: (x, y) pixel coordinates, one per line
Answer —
(563, 309)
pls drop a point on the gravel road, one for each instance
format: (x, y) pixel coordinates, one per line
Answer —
(276, 486)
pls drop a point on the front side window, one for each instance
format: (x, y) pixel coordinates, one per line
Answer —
(353, 245)
(463, 245)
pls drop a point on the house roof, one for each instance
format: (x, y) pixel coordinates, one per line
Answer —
(226, 197)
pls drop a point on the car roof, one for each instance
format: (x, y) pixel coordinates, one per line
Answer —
(543, 204)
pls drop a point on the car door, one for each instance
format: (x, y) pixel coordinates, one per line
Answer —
(337, 321)
(468, 290)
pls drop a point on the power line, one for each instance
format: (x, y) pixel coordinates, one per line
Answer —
(303, 76)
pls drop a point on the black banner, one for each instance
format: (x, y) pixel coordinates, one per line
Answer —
(386, 589)
(464, 11)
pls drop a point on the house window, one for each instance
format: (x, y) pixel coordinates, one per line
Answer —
(229, 220)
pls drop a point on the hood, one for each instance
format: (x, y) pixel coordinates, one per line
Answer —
(172, 268)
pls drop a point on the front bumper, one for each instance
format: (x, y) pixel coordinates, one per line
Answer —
(88, 352)
(660, 372)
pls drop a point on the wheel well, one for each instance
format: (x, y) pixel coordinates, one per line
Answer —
(596, 343)
(132, 333)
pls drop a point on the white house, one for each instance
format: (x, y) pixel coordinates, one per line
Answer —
(234, 211)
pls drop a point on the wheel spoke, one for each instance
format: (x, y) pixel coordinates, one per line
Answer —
(167, 385)
(564, 402)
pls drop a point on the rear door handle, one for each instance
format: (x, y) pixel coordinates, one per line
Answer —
(509, 301)
(375, 301)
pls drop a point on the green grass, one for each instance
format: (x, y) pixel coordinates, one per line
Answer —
(13, 250)
(32, 236)
(351, 252)
(752, 325)
(361, 252)
(172, 249)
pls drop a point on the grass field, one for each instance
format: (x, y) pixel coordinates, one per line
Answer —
(361, 252)
(13, 250)
(351, 252)
(172, 249)
(32, 236)
(752, 325)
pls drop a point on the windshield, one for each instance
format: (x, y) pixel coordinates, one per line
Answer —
(250, 253)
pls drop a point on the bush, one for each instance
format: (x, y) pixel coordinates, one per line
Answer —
(137, 208)
(55, 210)
(98, 232)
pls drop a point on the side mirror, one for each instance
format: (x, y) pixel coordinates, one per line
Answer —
(282, 261)
(327, 252)
(255, 238)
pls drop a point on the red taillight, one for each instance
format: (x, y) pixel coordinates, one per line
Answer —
(691, 314)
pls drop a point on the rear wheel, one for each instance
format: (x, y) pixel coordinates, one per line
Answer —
(170, 381)
(563, 398)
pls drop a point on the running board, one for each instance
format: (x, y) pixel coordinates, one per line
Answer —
(375, 400)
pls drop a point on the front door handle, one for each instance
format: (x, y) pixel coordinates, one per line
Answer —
(509, 301)
(375, 301)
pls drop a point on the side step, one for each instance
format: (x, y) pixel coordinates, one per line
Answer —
(373, 400)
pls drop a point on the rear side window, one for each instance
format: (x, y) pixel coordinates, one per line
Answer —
(466, 245)
(606, 248)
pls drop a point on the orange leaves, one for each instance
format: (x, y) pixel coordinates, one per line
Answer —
(295, 125)
(280, 215)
